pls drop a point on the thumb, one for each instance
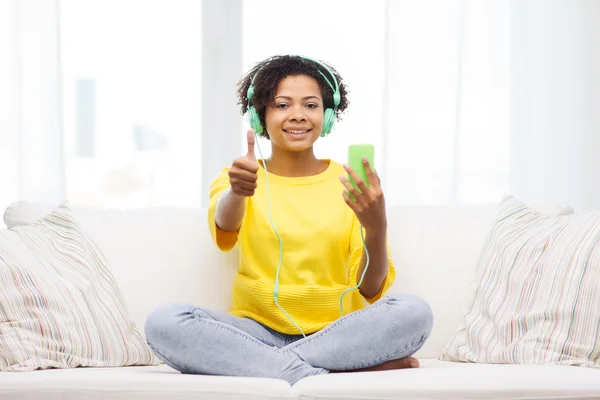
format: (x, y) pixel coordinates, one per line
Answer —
(251, 139)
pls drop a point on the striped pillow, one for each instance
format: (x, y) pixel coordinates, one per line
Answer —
(536, 296)
(60, 306)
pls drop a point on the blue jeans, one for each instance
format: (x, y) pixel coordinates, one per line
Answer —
(198, 341)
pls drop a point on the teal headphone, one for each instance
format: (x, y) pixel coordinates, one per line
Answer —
(330, 113)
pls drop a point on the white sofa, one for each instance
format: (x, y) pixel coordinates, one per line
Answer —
(164, 255)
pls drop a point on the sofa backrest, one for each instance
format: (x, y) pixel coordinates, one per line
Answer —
(166, 254)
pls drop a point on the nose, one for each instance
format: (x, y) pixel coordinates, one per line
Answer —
(297, 114)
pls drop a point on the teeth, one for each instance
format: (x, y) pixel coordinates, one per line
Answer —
(296, 132)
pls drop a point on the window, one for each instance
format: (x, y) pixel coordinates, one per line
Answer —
(132, 101)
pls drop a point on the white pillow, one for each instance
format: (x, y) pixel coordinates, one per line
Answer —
(536, 297)
(60, 306)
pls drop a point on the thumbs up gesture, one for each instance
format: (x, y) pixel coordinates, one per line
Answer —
(243, 172)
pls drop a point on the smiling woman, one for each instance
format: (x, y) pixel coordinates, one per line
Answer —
(336, 255)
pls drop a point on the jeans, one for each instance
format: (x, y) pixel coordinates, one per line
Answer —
(198, 341)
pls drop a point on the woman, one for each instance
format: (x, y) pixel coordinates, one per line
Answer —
(310, 254)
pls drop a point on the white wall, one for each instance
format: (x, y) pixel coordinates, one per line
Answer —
(555, 102)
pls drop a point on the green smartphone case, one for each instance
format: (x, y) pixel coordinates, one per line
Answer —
(356, 152)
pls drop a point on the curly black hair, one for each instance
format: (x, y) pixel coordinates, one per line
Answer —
(268, 73)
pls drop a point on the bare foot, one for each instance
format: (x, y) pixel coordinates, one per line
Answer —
(407, 362)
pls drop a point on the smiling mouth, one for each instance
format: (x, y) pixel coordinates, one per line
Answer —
(297, 132)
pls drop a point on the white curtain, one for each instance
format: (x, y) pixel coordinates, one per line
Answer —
(31, 131)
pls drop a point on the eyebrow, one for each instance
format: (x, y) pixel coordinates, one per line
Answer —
(304, 98)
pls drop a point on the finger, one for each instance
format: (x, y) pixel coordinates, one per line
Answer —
(247, 185)
(377, 177)
(251, 139)
(250, 166)
(348, 200)
(243, 173)
(371, 176)
(362, 186)
(350, 188)
(245, 165)
(245, 176)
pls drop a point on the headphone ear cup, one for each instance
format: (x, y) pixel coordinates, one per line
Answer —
(254, 120)
(328, 121)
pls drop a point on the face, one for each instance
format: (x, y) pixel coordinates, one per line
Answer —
(295, 119)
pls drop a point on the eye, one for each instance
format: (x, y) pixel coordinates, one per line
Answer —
(312, 105)
(281, 105)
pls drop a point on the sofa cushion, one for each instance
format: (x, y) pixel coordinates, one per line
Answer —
(456, 381)
(158, 255)
(60, 306)
(135, 383)
(436, 250)
(535, 299)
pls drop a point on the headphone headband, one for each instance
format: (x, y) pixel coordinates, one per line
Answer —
(336, 88)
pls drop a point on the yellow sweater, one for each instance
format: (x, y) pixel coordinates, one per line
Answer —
(322, 248)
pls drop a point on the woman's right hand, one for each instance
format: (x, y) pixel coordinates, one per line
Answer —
(243, 174)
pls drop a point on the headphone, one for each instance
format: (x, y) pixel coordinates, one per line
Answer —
(330, 113)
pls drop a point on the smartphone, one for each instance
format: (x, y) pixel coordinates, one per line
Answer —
(356, 152)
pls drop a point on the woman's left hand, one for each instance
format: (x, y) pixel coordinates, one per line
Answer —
(369, 203)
